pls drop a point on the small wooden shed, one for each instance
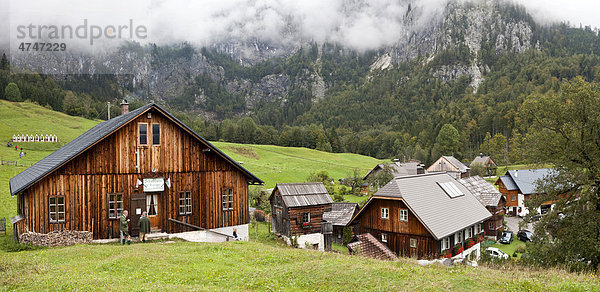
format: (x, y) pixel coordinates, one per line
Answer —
(297, 208)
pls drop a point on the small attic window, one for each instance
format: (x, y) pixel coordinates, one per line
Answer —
(451, 189)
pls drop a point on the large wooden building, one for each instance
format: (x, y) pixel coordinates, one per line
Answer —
(145, 159)
(424, 216)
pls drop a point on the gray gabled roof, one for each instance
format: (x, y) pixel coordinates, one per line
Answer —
(525, 180)
(484, 191)
(481, 159)
(461, 167)
(341, 213)
(398, 169)
(509, 183)
(303, 194)
(438, 212)
(86, 140)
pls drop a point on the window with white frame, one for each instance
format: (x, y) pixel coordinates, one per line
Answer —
(468, 233)
(57, 209)
(413, 243)
(115, 205)
(403, 215)
(445, 243)
(480, 227)
(227, 199)
(185, 203)
(384, 237)
(458, 237)
(385, 213)
(305, 217)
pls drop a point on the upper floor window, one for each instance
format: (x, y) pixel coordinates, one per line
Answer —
(143, 133)
(403, 215)
(385, 213)
(57, 209)
(155, 134)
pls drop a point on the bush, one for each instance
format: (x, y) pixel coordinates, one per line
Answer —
(520, 249)
(514, 254)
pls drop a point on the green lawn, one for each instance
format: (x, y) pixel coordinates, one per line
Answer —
(259, 264)
(509, 249)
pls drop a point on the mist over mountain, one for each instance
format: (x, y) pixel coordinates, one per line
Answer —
(376, 78)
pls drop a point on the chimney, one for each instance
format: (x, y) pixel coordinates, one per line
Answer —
(517, 173)
(480, 154)
(124, 107)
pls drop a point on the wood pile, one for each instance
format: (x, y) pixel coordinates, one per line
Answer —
(56, 238)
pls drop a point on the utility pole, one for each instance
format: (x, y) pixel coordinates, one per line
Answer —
(108, 109)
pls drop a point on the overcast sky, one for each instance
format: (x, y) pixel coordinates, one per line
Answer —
(365, 25)
(585, 12)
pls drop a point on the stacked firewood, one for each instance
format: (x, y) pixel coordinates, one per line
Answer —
(56, 238)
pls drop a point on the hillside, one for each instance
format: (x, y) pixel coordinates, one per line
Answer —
(276, 164)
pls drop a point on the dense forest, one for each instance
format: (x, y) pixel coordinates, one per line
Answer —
(405, 111)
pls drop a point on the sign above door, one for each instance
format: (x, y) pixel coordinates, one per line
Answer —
(154, 184)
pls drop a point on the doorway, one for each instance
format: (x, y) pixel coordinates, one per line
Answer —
(138, 205)
(153, 209)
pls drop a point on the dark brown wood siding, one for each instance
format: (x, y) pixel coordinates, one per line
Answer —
(316, 217)
(398, 232)
(110, 167)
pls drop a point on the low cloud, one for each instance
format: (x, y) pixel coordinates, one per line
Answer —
(358, 24)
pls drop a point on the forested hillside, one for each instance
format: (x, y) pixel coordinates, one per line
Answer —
(471, 69)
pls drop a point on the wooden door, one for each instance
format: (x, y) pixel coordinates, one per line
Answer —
(138, 205)
(153, 209)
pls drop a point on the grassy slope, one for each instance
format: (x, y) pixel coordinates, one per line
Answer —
(275, 164)
(28, 118)
(254, 265)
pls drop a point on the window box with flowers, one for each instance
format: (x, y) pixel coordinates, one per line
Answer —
(458, 249)
(470, 243)
(479, 238)
(446, 253)
(306, 225)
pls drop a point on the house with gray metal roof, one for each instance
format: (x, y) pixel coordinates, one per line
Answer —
(397, 169)
(297, 211)
(425, 216)
(339, 216)
(451, 165)
(487, 162)
(142, 160)
(517, 186)
(492, 199)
